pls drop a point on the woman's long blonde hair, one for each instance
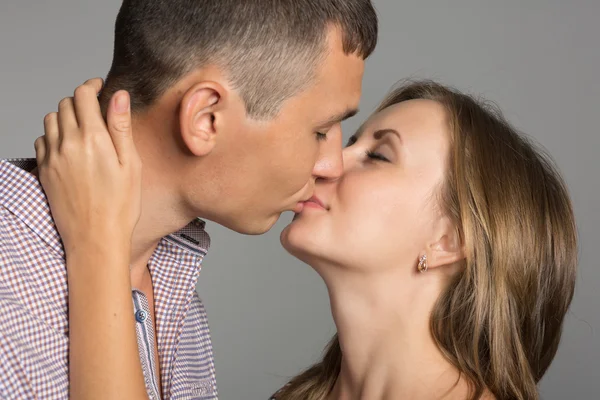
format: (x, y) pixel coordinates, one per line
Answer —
(499, 322)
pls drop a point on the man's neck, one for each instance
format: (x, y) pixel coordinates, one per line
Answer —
(160, 216)
(162, 210)
(388, 351)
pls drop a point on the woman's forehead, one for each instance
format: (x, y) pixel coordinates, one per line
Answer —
(408, 117)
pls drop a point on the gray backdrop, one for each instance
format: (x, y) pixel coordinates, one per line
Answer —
(269, 313)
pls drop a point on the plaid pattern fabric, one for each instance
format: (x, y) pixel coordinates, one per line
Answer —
(34, 328)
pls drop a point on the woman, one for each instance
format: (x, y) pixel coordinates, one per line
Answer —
(448, 248)
(463, 256)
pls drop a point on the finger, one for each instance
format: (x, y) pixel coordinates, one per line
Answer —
(95, 83)
(87, 107)
(51, 133)
(67, 120)
(118, 120)
(40, 150)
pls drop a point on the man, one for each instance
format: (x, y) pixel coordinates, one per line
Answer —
(236, 110)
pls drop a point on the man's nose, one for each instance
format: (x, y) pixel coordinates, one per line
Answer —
(330, 164)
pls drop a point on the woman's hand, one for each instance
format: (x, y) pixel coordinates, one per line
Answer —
(91, 174)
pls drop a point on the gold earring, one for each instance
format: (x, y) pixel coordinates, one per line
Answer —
(422, 267)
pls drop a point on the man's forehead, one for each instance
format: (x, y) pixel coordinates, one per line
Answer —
(343, 81)
(332, 98)
(337, 105)
(340, 76)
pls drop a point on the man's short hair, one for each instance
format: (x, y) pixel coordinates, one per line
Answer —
(269, 49)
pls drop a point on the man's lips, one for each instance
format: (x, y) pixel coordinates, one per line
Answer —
(313, 202)
(299, 207)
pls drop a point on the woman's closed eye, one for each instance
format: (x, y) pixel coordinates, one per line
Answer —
(376, 156)
(379, 152)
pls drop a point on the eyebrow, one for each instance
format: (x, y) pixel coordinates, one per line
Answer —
(378, 134)
(334, 119)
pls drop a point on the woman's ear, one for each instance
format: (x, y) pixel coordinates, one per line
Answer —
(446, 248)
(197, 120)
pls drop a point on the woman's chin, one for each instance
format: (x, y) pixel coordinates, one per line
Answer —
(297, 240)
(290, 239)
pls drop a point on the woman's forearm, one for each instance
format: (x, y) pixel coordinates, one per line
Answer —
(104, 359)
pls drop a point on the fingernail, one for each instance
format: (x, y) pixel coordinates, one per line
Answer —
(122, 103)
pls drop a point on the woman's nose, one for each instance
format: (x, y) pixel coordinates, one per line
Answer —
(349, 157)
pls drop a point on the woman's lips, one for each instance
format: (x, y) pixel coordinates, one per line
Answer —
(312, 204)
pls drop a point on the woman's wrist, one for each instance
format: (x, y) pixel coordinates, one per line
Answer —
(99, 245)
(97, 265)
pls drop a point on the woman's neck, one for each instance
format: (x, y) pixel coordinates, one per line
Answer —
(388, 351)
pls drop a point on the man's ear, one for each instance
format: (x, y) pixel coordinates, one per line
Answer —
(197, 119)
(446, 247)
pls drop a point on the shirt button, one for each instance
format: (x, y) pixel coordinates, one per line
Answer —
(141, 315)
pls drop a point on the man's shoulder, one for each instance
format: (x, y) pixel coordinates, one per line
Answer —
(19, 188)
(12, 228)
(26, 214)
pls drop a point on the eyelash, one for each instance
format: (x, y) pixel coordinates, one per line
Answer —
(371, 155)
(376, 156)
(321, 136)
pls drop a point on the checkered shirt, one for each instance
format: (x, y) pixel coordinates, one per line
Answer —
(34, 325)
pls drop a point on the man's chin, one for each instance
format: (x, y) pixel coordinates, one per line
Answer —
(252, 227)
